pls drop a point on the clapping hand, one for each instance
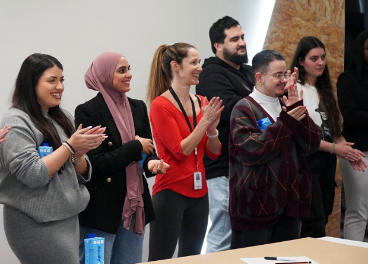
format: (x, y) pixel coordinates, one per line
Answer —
(212, 112)
(157, 166)
(344, 150)
(358, 165)
(86, 139)
(293, 96)
(292, 80)
(297, 113)
(3, 133)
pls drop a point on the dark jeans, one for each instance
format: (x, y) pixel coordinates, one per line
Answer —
(177, 216)
(323, 168)
(283, 230)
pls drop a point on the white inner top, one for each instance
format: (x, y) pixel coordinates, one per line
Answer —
(311, 101)
(270, 104)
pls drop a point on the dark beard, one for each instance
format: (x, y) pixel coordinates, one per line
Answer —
(235, 57)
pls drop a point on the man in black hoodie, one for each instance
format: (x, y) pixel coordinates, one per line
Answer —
(226, 76)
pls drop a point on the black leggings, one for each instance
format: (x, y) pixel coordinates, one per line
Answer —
(177, 216)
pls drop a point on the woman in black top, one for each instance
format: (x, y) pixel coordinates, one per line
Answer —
(353, 97)
(120, 204)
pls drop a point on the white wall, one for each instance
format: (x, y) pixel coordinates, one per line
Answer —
(76, 31)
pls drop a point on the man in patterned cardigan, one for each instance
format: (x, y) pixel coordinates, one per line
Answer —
(270, 185)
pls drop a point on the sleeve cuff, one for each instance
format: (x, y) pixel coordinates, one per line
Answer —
(145, 165)
(213, 156)
(288, 120)
(87, 177)
(288, 108)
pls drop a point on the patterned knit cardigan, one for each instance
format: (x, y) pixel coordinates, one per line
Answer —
(269, 178)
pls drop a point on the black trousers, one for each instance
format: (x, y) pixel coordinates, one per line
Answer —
(177, 216)
(285, 229)
(323, 168)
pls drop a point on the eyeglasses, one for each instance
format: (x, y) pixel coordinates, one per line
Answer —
(278, 75)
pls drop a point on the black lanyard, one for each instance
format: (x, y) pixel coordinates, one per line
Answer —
(183, 111)
(186, 117)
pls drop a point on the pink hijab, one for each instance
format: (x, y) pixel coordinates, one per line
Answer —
(99, 77)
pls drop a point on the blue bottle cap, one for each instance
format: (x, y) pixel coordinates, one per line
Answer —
(91, 235)
(45, 144)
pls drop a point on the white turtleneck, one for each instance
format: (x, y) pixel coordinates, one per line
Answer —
(270, 104)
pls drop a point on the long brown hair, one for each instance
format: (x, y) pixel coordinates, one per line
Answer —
(323, 83)
(25, 98)
(160, 76)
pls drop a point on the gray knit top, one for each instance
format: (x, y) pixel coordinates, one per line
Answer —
(24, 183)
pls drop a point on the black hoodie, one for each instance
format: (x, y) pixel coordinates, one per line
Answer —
(220, 79)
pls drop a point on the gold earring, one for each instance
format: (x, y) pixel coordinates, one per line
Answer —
(260, 82)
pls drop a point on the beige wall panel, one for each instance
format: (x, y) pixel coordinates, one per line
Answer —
(293, 19)
(332, 10)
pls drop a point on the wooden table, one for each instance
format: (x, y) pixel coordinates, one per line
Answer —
(324, 252)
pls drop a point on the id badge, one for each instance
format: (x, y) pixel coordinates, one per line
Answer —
(197, 180)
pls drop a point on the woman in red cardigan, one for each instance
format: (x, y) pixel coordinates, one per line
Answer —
(184, 129)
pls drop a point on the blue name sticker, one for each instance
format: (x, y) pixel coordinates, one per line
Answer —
(44, 150)
(263, 123)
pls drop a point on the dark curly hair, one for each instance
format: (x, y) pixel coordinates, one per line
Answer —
(217, 30)
(323, 83)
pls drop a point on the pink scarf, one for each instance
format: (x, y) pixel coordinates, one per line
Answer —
(99, 77)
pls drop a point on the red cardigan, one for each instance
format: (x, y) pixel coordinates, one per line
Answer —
(169, 128)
